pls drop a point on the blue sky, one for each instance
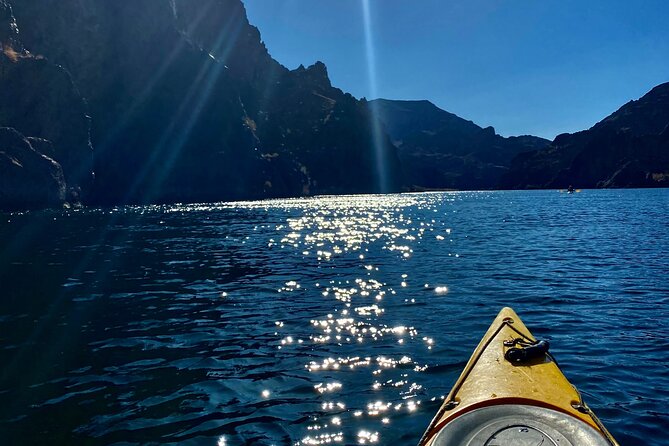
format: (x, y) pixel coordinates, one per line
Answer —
(539, 67)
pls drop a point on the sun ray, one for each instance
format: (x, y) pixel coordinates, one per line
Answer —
(146, 92)
(378, 139)
(177, 132)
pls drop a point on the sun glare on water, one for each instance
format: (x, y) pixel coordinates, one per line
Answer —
(324, 233)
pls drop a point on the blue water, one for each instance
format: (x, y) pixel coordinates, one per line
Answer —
(341, 320)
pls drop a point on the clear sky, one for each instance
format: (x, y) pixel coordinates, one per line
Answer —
(539, 67)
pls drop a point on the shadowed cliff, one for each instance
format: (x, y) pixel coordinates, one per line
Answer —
(187, 105)
(28, 178)
(161, 101)
(443, 151)
(38, 99)
(629, 148)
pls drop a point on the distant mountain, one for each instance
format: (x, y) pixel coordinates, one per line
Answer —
(441, 150)
(629, 148)
(184, 103)
(159, 101)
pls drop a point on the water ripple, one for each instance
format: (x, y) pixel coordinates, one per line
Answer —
(340, 320)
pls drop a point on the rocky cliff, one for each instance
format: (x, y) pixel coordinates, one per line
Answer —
(629, 148)
(441, 150)
(28, 178)
(39, 99)
(186, 104)
(156, 101)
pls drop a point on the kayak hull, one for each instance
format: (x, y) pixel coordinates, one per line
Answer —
(514, 403)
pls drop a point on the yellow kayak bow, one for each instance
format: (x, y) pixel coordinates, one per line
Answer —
(512, 393)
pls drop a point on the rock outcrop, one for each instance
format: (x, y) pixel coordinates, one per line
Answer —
(39, 99)
(28, 179)
(443, 151)
(629, 148)
(9, 31)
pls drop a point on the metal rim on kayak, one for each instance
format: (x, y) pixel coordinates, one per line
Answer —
(517, 425)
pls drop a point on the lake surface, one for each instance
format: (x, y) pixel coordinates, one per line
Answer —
(339, 320)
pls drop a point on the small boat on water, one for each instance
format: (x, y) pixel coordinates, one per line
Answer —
(512, 393)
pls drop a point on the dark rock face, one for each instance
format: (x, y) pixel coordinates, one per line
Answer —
(314, 138)
(187, 104)
(327, 133)
(627, 149)
(183, 103)
(441, 150)
(9, 31)
(167, 121)
(38, 99)
(28, 179)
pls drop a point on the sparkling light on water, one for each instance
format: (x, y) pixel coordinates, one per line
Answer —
(335, 320)
(352, 229)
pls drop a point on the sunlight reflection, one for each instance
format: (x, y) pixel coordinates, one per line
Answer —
(365, 437)
(358, 316)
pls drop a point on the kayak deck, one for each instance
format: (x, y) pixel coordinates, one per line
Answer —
(499, 402)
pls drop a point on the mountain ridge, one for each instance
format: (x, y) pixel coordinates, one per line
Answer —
(445, 151)
(628, 148)
(162, 101)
